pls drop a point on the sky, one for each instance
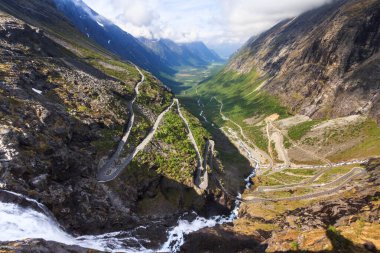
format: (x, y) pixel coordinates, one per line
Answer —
(215, 22)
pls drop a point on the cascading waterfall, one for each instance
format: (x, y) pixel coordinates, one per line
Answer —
(176, 236)
(18, 223)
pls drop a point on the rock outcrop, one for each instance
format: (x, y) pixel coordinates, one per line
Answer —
(63, 107)
(322, 63)
(346, 222)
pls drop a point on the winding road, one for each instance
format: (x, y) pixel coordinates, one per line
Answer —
(246, 142)
(246, 151)
(278, 139)
(111, 168)
(202, 184)
(346, 179)
(105, 166)
(310, 182)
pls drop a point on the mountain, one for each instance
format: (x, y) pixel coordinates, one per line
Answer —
(97, 155)
(322, 63)
(91, 144)
(110, 36)
(301, 102)
(226, 50)
(200, 49)
(195, 54)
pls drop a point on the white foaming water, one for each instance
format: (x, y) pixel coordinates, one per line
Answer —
(176, 236)
(18, 223)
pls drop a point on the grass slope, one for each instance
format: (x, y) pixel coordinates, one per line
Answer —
(239, 95)
(241, 101)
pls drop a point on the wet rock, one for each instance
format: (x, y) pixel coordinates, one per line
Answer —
(26, 139)
(220, 240)
(40, 181)
(370, 246)
(41, 246)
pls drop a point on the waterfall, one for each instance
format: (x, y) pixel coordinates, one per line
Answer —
(19, 223)
(176, 236)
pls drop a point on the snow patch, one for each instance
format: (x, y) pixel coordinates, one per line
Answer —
(99, 23)
(37, 91)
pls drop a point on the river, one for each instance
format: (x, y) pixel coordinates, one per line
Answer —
(18, 222)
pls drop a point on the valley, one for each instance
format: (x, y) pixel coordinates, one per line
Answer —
(116, 143)
(188, 77)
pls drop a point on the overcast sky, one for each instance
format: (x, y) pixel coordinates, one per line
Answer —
(212, 21)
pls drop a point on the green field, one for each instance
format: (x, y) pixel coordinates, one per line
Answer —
(241, 101)
(187, 77)
(298, 131)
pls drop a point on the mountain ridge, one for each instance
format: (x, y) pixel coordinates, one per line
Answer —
(335, 52)
(175, 55)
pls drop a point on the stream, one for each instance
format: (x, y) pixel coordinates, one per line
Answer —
(18, 222)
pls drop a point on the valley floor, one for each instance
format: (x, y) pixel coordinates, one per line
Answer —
(302, 162)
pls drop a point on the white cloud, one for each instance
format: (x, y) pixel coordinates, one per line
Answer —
(212, 21)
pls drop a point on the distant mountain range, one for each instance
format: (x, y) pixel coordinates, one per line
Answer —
(182, 54)
(156, 56)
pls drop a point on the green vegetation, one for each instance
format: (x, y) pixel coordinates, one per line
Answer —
(106, 143)
(198, 131)
(237, 91)
(139, 131)
(285, 193)
(335, 173)
(259, 138)
(298, 131)
(82, 108)
(287, 143)
(288, 179)
(153, 95)
(302, 172)
(368, 132)
(240, 100)
(179, 161)
(294, 246)
(119, 70)
(190, 76)
(267, 181)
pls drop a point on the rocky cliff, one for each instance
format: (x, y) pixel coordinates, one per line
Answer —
(322, 63)
(346, 222)
(64, 107)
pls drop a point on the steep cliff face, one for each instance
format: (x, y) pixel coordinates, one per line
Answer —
(322, 63)
(110, 36)
(64, 106)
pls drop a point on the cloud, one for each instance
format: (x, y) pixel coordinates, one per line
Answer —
(138, 13)
(212, 21)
